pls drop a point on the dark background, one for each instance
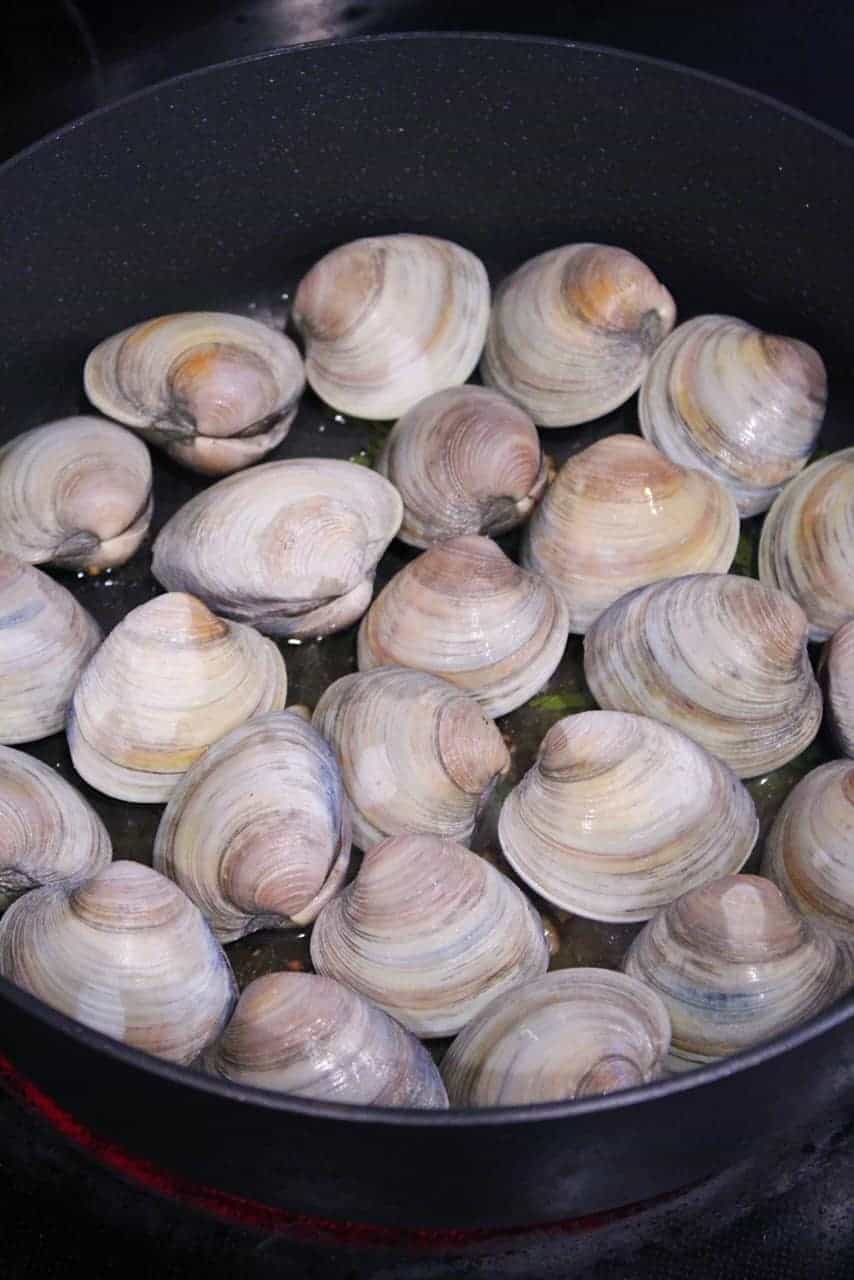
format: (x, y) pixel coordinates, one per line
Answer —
(59, 58)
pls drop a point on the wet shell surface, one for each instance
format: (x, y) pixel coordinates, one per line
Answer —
(416, 753)
(809, 852)
(290, 547)
(735, 964)
(257, 831)
(46, 639)
(464, 611)
(216, 391)
(48, 833)
(620, 515)
(388, 320)
(465, 460)
(619, 815)
(126, 953)
(572, 332)
(304, 1034)
(75, 493)
(839, 685)
(574, 1033)
(430, 933)
(807, 543)
(720, 657)
(743, 405)
(169, 681)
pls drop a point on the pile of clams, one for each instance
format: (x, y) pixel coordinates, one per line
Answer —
(306, 772)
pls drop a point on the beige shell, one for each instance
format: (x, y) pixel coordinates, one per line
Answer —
(48, 832)
(388, 320)
(216, 391)
(169, 680)
(465, 460)
(46, 639)
(809, 851)
(416, 753)
(839, 685)
(430, 933)
(126, 953)
(572, 332)
(574, 1033)
(742, 405)
(303, 1034)
(620, 515)
(257, 831)
(720, 657)
(290, 547)
(75, 493)
(619, 815)
(463, 611)
(734, 964)
(807, 543)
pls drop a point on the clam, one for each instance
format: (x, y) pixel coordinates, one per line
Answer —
(75, 493)
(620, 515)
(48, 832)
(464, 611)
(569, 1034)
(619, 815)
(839, 685)
(216, 391)
(416, 753)
(388, 320)
(809, 852)
(46, 639)
(257, 831)
(429, 932)
(742, 405)
(465, 460)
(807, 543)
(572, 332)
(722, 658)
(303, 1034)
(735, 964)
(124, 952)
(169, 681)
(290, 547)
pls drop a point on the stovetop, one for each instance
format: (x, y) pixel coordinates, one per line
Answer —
(59, 58)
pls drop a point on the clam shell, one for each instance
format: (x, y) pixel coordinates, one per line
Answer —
(572, 332)
(463, 611)
(48, 832)
(46, 639)
(839, 685)
(416, 754)
(722, 658)
(216, 391)
(569, 1034)
(742, 405)
(619, 815)
(126, 953)
(75, 493)
(807, 543)
(290, 547)
(303, 1034)
(620, 515)
(257, 831)
(809, 851)
(465, 460)
(430, 933)
(169, 681)
(388, 320)
(734, 964)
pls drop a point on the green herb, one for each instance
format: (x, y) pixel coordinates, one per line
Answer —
(577, 700)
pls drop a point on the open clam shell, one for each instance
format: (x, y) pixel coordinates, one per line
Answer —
(839, 685)
(463, 611)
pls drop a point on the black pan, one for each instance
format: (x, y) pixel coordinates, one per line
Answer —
(212, 190)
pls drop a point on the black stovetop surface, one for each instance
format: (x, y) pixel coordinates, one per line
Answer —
(59, 1211)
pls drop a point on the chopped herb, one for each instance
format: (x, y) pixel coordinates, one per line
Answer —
(577, 700)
